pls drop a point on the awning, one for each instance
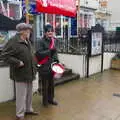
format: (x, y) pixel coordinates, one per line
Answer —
(61, 7)
(8, 24)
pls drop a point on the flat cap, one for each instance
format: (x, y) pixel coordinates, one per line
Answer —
(23, 26)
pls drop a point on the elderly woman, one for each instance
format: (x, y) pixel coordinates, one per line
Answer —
(46, 55)
(18, 54)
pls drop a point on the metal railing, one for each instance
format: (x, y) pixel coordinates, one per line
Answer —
(79, 45)
(112, 41)
(73, 46)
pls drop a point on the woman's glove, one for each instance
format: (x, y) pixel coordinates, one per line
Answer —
(57, 61)
(52, 51)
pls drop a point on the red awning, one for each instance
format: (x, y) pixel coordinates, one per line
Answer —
(62, 7)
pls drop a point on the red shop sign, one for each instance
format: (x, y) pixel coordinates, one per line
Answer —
(62, 7)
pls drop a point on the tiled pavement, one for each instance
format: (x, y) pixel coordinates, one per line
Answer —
(84, 99)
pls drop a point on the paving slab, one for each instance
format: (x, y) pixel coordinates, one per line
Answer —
(93, 98)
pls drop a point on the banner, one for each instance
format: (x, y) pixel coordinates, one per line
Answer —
(31, 7)
(61, 7)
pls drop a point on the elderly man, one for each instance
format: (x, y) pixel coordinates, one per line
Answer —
(18, 54)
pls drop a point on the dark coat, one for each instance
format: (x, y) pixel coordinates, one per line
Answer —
(44, 51)
(17, 50)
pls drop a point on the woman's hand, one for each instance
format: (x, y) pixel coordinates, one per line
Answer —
(21, 64)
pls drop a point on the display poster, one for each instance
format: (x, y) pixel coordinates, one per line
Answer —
(96, 43)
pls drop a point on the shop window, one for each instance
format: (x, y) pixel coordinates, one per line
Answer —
(3, 38)
(81, 20)
(89, 21)
(3, 9)
(58, 25)
(66, 26)
(50, 19)
(14, 11)
(74, 26)
(85, 21)
(39, 25)
(11, 9)
(56, 22)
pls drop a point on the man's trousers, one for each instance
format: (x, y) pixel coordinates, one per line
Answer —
(23, 98)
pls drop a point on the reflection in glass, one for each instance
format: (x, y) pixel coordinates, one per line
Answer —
(58, 25)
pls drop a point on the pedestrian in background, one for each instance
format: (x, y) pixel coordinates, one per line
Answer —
(46, 55)
(19, 55)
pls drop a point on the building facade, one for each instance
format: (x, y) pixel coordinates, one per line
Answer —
(103, 14)
(61, 23)
(114, 7)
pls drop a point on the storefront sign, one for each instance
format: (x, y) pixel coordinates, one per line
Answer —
(63, 7)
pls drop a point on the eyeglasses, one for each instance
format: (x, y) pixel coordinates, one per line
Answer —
(50, 31)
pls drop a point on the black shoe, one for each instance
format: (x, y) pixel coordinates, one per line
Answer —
(19, 118)
(45, 104)
(53, 102)
(31, 113)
